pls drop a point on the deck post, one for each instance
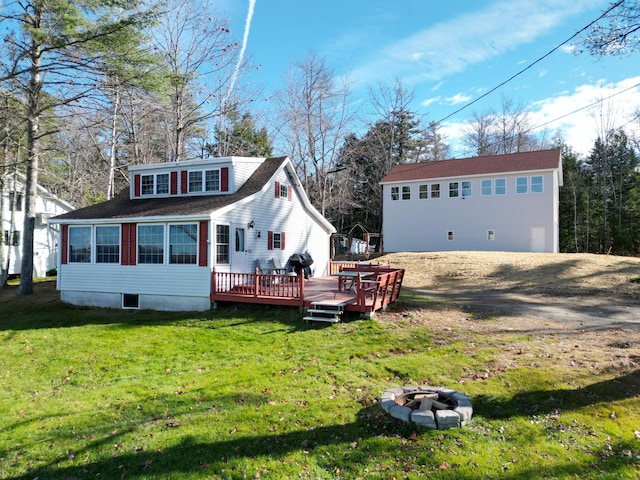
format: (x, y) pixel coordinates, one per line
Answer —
(301, 279)
(256, 283)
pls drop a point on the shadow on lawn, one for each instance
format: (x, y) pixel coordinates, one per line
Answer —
(540, 402)
(373, 439)
(44, 309)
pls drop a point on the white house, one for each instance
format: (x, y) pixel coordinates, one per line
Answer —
(155, 246)
(493, 203)
(45, 239)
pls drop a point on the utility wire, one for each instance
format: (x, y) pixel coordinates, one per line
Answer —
(616, 5)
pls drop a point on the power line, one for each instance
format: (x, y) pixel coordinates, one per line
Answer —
(617, 4)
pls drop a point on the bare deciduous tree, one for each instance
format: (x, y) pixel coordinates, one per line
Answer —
(314, 108)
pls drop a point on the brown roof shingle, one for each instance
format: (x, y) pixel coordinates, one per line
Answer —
(514, 162)
(121, 207)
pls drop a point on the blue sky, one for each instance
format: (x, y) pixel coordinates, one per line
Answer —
(450, 53)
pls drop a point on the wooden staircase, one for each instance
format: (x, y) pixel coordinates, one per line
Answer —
(324, 312)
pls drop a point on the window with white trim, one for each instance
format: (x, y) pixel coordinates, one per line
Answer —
(453, 189)
(406, 192)
(522, 185)
(277, 241)
(183, 244)
(450, 235)
(284, 191)
(79, 244)
(15, 238)
(146, 185)
(108, 244)
(150, 244)
(424, 191)
(435, 190)
(536, 184)
(395, 193)
(501, 186)
(222, 244)
(486, 187)
(154, 184)
(212, 180)
(162, 183)
(195, 181)
(466, 189)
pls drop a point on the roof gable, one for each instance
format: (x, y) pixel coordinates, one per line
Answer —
(492, 164)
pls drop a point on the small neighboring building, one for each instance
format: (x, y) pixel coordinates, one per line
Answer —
(500, 203)
(45, 237)
(155, 246)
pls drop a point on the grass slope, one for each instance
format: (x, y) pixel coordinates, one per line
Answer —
(253, 392)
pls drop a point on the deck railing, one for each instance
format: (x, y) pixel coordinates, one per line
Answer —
(377, 287)
(255, 287)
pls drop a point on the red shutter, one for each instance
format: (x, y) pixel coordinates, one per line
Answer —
(281, 240)
(277, 189)
(124, 244)
(289, 193)
(64, 242)
(203, 244)
(136, 185)
(133, 244)
(270, 240)
(224, 179)
(184, 182)
(128, 244)
(174, 183)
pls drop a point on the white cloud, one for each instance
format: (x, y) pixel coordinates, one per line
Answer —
(589, 111)
(429, 101)
(581, 115)
(450, 47)
(458, 98)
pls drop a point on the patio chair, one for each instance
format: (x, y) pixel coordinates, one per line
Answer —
(278, 268)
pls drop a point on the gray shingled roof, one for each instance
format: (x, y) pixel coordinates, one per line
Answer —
(122, 207)
(515, 162)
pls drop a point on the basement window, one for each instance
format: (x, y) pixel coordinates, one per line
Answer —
(130, 300)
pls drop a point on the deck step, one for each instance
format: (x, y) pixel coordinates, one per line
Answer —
(322, 319)
(324, 312)
(328, 312)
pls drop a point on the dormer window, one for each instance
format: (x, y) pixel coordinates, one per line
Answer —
(204, 181)
(162, 183)
(154, 184)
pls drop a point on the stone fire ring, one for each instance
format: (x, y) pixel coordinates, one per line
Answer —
(457, 414)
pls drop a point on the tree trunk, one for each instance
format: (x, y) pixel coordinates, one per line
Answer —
(114, 140)
(31, 190)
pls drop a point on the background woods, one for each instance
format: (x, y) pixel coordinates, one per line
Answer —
(89, 88)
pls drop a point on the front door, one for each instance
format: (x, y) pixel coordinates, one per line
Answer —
(239, 261)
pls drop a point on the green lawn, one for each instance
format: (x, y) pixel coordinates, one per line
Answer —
(254, 392)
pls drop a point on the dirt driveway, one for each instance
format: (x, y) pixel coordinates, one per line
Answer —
(590, 302)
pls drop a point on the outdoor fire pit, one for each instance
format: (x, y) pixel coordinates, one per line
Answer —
(430, 407)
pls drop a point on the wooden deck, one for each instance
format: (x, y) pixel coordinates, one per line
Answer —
(367, 289)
